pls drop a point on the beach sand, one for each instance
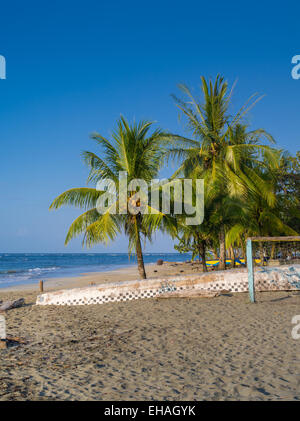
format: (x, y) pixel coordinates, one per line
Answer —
(221, 348)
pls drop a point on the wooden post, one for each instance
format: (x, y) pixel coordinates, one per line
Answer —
(287, 238)
(250, 271)
(41, 286)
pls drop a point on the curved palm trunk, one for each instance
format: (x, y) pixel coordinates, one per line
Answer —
(222, 264)
(139, 253)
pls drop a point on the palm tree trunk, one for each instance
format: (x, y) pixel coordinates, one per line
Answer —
(222, 264)
(273, 251)
(201, 246)
(139, 253)
(232, 257)
(243, 250)
(215, 253)
(261, 254)
(202, 255)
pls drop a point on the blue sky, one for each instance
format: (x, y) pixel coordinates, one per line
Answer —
(73, 67)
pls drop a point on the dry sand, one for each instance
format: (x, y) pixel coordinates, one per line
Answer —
(222, 348)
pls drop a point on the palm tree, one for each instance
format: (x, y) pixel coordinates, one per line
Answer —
(191, 240)
(198, 238)
(216, 152)
(257, 217)
(288, 189)
(136, 150)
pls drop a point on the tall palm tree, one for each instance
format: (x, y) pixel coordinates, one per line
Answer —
(215, 152)
(135, 149)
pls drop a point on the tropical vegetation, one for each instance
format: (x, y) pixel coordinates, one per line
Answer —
(252, 188)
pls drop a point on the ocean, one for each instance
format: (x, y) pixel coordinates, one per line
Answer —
(27, 268)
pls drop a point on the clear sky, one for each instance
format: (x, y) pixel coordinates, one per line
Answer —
(74, 66)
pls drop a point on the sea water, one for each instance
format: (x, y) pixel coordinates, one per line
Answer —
(27, 268)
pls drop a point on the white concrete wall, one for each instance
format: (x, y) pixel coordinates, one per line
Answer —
(266, 279)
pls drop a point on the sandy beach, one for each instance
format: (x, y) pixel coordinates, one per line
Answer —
(222, 348)
(150, 204)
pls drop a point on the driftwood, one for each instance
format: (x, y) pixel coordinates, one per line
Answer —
(16, 339)
(12, 339)
(8, 305)
(189, 293)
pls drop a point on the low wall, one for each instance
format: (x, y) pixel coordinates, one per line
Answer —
(266, 279)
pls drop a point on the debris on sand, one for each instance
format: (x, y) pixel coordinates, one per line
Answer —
(8, 305)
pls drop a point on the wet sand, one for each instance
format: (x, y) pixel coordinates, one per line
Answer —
(221, 348)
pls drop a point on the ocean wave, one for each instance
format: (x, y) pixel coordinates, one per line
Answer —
(33, 270)
(14, 280)
(51, 269)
